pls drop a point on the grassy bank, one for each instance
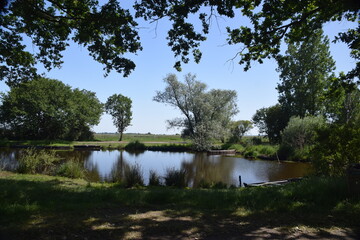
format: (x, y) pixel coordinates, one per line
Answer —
(44, 207)
(110, 141)
(129, 137)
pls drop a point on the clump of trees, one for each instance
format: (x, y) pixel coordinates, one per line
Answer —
(317, 117)
(207, 114)
(48, 109)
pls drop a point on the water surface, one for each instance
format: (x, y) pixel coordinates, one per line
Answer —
(110, 165)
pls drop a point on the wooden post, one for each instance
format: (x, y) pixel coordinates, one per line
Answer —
(240, 183)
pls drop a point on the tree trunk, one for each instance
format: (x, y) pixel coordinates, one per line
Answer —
(121, 136)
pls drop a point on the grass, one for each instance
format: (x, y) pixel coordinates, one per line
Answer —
(110, 141)
(42, 207)
(129, 137)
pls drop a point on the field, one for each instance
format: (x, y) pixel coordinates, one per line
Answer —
(128, 137)
(316, 208)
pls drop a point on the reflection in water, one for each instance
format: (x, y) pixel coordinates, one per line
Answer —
(110, 166)
(208, 169)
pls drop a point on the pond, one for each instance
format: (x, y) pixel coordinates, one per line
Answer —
(107, 165)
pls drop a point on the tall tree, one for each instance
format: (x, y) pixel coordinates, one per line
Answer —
(119, 107)
(271, 121)
(305, 72)
(48, 109)
(207, 115)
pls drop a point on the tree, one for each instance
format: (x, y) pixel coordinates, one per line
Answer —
(271, 121)
(305, 72)
(239, 128)
(48, 109)
(207, 114)
(301, 132)
(108, 31)
(271, 23)
(342, 103)
(119, 107)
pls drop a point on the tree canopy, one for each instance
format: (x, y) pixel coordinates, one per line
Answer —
(109, 30)
(271, 121)
(271, 23)
(306, 72)
(207, 114)
(48, 109)
(119, 107)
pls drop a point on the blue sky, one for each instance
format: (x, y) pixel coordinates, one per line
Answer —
(255, 88)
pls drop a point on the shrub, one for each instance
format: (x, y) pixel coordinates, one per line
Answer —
(267, 150)
(37, 161)
(154, 179)
(250, 152)
(256, 140)
(175, 178)
(71, 169)
(219, 185)
(135, 146)
(336, 148)
(133, 176)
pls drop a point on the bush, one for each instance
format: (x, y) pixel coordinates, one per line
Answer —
(301, 132)
(250, 153)
(133, 176)
(37, 161)
(175, 178)
(336, 148)
(135, 146)
(154, 179)
(71, 169)
(256, 140)
(268, 150)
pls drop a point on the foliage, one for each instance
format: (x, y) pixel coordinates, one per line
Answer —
(305, 71)
(37, 161)
(175, 178)
(119, 107)
(342, 102)
(107, 30)
(271, 121)
(206, 114)
(133, 176)
(271, 23)
(135, 146)
(48, 109)
(301, 132)
(71, 169)
(250, 153)
(238, 130)
(336, 147)
(154, 179)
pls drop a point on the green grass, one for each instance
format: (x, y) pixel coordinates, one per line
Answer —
(139, 137)
(39, 206)
(110, 141)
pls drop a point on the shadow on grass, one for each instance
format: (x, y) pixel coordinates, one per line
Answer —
(64, 209)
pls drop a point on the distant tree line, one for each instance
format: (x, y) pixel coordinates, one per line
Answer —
(47, 109)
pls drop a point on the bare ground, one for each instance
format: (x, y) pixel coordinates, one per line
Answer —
(129, 223)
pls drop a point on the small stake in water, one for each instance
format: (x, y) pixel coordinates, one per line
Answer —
(240, 183)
